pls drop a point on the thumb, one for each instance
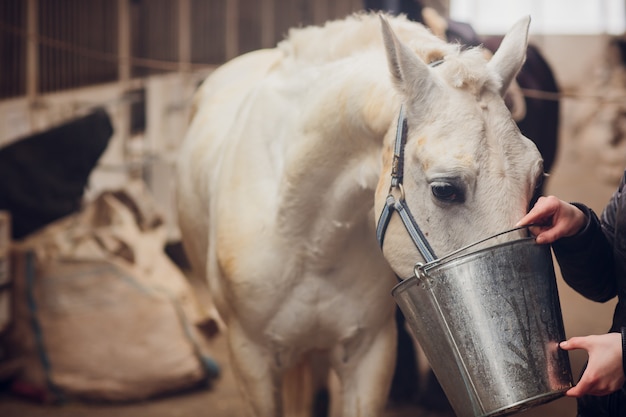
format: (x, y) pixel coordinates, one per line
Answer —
(573, 343)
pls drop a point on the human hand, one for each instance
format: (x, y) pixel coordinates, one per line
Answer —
(553, 219)
(604, 373)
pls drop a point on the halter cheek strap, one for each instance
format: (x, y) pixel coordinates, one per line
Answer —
(398, 205)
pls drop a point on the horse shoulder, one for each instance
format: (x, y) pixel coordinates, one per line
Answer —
(215, 110)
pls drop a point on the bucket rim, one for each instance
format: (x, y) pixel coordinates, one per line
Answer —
(462, 334)
(457, 256)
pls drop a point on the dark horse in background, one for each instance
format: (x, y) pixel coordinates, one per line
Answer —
(540, 124)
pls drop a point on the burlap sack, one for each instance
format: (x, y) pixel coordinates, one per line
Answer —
(100, 311)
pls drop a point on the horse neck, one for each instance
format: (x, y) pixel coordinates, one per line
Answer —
(333, 169)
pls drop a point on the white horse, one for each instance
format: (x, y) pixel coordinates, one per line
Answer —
(287, 166)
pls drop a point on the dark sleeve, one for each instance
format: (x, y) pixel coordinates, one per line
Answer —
(586, 259)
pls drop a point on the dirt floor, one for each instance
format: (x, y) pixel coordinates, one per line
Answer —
(573, 179)
(222, 400)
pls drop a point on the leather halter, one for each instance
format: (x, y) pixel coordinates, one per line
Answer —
(398, 205)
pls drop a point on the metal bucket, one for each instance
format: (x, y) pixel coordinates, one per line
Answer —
(490, 322)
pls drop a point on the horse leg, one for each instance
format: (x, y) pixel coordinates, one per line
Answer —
(257, 379)
(365, 370)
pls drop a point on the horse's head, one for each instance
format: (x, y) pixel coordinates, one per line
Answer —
(466, 171)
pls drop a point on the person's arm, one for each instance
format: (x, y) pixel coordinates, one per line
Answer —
(586, 260)
(582, 249)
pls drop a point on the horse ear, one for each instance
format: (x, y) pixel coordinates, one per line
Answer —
(409, 73)
(510, 56)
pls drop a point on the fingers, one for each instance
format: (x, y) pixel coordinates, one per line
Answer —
(604, 373)
(541, 213)
(547, 234)
(573, 343)
(543, 217)
(553, 219)
(590, 384)
(580, 388)
(575, 391)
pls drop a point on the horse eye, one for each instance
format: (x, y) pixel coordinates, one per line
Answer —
(447, 192)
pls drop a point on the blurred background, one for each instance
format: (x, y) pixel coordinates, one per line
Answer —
(104, 87)
(141, 60)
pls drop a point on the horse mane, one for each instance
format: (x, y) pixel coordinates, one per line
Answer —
(338, 39)
(360, 33)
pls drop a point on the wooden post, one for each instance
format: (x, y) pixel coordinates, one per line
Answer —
(184, 35)
(320, 12)
(32, 50)
(232, 29)
(123, 41)
(267, 24)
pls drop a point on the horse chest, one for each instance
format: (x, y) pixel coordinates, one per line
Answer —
(315, 317)
(315, 311)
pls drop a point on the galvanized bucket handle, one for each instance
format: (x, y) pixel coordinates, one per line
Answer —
(420, 268)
